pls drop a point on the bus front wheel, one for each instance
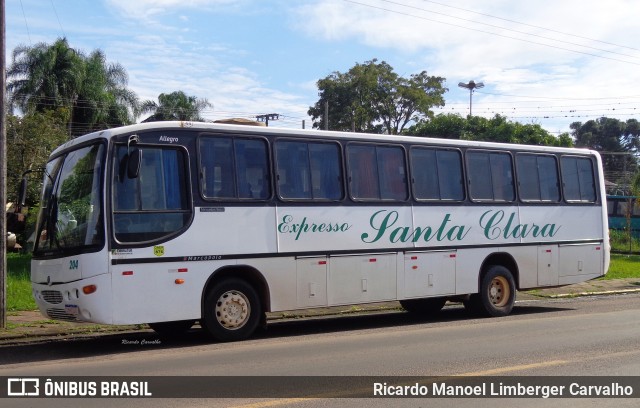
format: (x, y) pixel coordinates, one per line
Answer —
(231, 310)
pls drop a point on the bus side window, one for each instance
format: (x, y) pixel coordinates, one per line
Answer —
(326, 171)
(502, 177)
(479, 173)
(392, 171)
(252, 169)
(294, 180)
(309, 170)
(437, 174)
(216, 158)
(156, 203)
(490, 176)
(234, 168)
(377, 172)
(578, 179)
(538, 178)
(363, 172)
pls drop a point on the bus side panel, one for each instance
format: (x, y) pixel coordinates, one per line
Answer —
(311, 274)
(229, 230)
(322, 228)
(429, 273)
(560, 223)
(362, 278)
(548, 265)
(468, 264)
(280, 275)
(526, 259)
(581, 262)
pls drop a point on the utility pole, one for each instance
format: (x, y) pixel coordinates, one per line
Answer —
(3, 172)
(266, 118)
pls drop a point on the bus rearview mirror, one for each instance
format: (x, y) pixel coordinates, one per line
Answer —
(133, 163)
(22, 193)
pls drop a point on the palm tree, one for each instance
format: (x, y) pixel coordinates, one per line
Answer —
(104, 100)
(175, 106)
(93, 92)
(44, 76)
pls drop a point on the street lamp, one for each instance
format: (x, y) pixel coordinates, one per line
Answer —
(471, 86)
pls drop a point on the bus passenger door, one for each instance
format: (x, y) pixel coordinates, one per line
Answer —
(429, 273)
(548, 265)
(311, 281)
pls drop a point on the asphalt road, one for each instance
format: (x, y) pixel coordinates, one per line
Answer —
(591, 336)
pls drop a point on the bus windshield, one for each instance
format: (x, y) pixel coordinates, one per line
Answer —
(70, 218)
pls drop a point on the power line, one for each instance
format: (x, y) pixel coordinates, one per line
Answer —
(58, 18)
(492, 33)
(508, 29)
(563, 98)
(25, 21)
(531, 25)
(485, 102)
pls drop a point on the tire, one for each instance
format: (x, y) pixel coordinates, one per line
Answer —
(231, 311)
(172, 329)
(423, 306)
(497, 292)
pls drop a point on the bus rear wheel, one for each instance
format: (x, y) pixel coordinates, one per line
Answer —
(497, 293)
(423, 306)
(231, 311)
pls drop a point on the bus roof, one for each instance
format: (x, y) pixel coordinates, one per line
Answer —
(213, 127)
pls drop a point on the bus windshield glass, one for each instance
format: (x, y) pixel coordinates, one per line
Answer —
(70, 219)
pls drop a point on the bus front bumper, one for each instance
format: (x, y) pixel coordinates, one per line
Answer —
(85, 300)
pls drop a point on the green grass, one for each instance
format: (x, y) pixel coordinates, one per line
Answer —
(624, 266)
(620, 242)
(19, 295)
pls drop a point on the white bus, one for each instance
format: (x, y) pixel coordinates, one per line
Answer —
(169, 223)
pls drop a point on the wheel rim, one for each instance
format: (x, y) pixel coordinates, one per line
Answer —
(233, 310)
(499, 291)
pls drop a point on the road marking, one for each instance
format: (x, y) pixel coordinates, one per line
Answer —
(273, 403)
(503, 370)
(495, 371)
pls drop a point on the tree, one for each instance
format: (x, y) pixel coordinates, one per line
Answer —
(370, 97)
(93, 92)
(30, 140)
(618, 142)
(104, 100)
(44, 76)
(175, 106)
(496, 129)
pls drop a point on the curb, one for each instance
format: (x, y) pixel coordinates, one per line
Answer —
(584, 294)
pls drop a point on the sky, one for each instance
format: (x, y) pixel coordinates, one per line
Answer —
(548, 62)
